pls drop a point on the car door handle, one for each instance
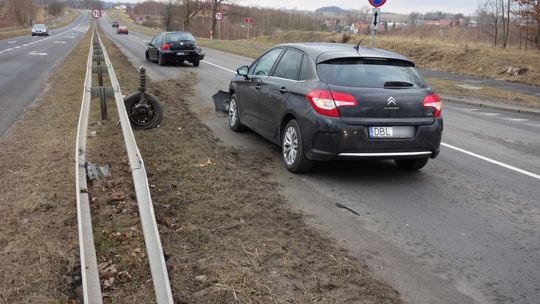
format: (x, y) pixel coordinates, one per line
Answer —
(283, 90)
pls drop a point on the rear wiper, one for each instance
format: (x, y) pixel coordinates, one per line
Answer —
(397, 84)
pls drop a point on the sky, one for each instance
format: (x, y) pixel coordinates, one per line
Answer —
(466, 7)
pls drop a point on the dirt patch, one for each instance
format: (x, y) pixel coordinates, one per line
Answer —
(38, 222)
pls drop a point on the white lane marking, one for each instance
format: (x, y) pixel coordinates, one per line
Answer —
(491, 114)
(26, 44)
(516, 119)
(7, 50)
(38, 54)
(217, 66)
(61, 42)
(490, 160)
(14, 41)
(18, 46)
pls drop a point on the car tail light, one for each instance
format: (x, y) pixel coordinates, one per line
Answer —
(433, 101)
(166, 47)
(327, 102)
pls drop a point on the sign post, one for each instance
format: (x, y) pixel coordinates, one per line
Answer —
(376, 11)
(248, 22)
(219, 17)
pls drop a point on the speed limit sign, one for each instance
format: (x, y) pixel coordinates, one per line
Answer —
(219, 16)
(96, 14)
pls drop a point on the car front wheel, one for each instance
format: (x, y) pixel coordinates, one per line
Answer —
(292, 149)
(411, 164)
(234, 116)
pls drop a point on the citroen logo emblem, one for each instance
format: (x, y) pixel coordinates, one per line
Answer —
(391, 104)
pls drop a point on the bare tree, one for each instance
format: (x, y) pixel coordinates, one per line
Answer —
(56, 8)
(23, 11)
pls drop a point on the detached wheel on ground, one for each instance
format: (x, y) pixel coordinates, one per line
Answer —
(143, 114)
(292, 149)
(411, 164)
(234, 116)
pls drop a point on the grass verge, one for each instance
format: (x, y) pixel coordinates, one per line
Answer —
(227, 234)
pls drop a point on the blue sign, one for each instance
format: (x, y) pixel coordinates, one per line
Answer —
(377, 3)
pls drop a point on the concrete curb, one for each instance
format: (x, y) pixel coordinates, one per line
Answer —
(489, 105)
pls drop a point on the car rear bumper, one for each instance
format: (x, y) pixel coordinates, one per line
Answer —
(182, 55)
(328, 138)
(40, 33)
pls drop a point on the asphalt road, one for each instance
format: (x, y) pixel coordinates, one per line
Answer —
(26, 62)
(465, 229)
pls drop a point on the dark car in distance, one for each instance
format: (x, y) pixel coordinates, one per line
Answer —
(328, 101)
(174, 47)
(115, 24)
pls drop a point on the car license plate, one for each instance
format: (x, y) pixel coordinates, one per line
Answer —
(391, 132)
(180, 53)
(381, 132)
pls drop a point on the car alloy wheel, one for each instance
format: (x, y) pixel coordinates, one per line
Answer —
(290, 146)
(233, 113)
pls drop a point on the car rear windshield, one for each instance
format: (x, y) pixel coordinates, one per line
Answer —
(370, 72)
(39, 26)
(179, 37)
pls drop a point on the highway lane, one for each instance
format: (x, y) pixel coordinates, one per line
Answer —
(26, 62)
(463, 230)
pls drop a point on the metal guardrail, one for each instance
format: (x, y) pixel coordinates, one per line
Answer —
(160, 277)
(89, 271)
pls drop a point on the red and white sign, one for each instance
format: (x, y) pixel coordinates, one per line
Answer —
(377, 3)
(96, 14)
(248, 20)
(219, 16)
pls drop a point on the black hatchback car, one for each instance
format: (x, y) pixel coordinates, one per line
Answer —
(327, 101)
(174, 47)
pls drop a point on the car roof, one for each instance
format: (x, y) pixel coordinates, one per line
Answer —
(324, 51)
(179, 32)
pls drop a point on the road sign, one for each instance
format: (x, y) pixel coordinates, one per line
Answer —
(377, 3)
(248, 20)
(219, 16)
(376, 17)
(96, 14)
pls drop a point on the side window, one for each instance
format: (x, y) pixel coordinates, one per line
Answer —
(266, 62)
(289, 65)
(154, 40)
(252, 68)
(304, 71)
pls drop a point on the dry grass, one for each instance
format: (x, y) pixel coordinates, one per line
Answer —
(38, 222)
(484, 93)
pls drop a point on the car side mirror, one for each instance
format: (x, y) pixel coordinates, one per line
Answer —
(149, 43)
(243, 71)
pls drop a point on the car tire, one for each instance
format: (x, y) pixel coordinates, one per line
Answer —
(292, 149)
(412, 164)
(196, 62)
(146, 56)
(140, 121)
(234, 116)
(161, 60)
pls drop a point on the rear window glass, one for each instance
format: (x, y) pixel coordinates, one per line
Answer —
(179, 37)
(370, 72)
